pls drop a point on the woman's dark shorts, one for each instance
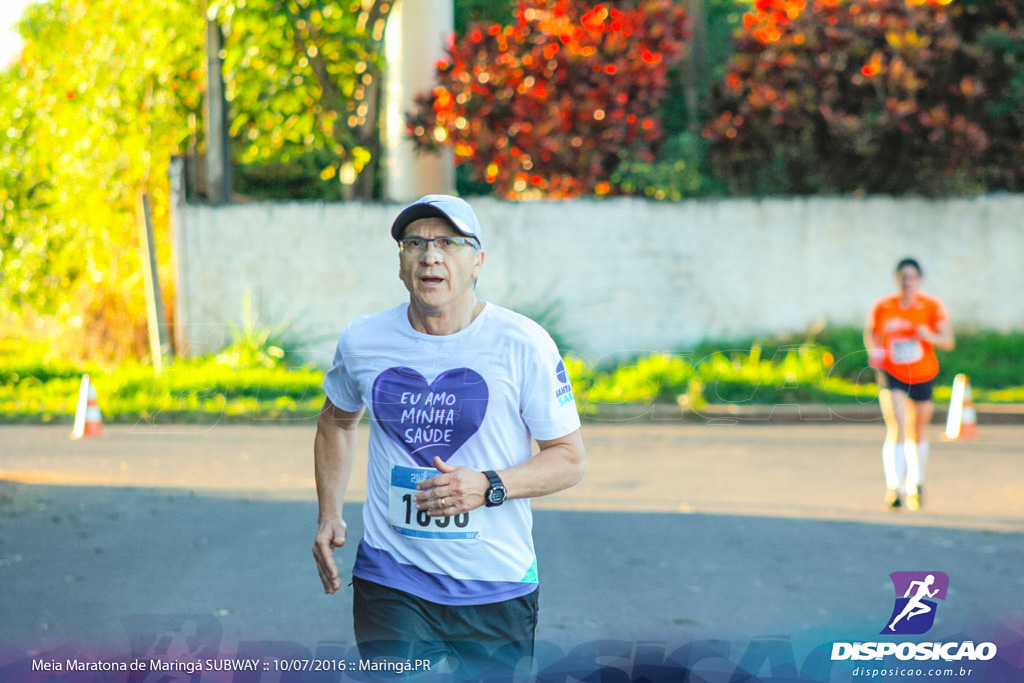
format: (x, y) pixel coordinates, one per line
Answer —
(919, 391)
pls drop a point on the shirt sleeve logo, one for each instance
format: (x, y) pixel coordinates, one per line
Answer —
(560, 372)
(564, 393)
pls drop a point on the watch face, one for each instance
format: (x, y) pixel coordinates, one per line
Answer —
(496, 495)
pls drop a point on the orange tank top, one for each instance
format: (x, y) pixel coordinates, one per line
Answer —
(908, 358)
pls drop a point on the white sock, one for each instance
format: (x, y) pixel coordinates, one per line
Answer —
(894, 464)
(910, 449)
(917, 460)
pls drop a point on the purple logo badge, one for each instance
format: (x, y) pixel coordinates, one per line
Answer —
(916, 592)
(560, 372)
(433, 419)
(564, 393)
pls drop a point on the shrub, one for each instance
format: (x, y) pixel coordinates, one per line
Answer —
(652, 378)
(990, 359)
(546, 106)
(860, 95)
(675, 174)
(187, 391)
(35, 386)
(994, 30)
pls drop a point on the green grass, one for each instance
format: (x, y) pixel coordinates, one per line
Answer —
(251, 380)
(789, 375)
(823, 365)
(38, 387)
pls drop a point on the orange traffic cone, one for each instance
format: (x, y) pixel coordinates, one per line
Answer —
(88, 421)
(962, 420)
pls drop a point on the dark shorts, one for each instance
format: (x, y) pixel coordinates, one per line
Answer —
(919, 391)
(484, 640)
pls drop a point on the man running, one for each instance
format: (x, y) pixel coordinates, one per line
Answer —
(457, 390)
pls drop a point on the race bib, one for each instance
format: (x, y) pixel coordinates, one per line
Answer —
(907, 351)
(408, 521)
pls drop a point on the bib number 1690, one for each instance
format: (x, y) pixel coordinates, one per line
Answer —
(407, 521)
(423, 519)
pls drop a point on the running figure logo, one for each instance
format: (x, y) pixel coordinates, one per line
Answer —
(914, 612)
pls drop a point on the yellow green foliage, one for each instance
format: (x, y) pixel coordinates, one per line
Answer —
(794, 374)
(99, 100)
(102, 96)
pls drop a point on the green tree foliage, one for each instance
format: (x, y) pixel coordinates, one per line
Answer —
(469, 12)
(677, 172)
(879, 96)
(994, 31)
(303, 81)
(681, 167)
(549, 105)
(97, 103)
(102, 96)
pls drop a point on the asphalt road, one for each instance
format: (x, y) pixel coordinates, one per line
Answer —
(680, 534)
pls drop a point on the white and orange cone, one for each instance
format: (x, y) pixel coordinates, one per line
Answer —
(88, 420)
(962, 420)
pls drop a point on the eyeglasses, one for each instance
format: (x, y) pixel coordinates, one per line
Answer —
(447, 244)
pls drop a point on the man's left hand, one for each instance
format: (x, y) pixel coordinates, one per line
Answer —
(455, 490)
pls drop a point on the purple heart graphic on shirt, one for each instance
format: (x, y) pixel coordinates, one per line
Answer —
(432, 419)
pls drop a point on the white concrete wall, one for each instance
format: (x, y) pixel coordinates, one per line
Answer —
(631, 276)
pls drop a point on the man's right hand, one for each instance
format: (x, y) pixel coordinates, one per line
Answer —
(329, 535)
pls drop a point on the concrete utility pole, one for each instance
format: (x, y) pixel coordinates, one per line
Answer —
(218, 148)
(416, 35)
(156, 317)
(696, 72)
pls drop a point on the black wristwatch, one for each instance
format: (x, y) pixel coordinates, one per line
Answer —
(496, 494)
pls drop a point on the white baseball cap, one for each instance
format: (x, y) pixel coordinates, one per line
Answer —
(453, 209)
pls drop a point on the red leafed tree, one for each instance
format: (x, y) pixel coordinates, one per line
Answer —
(548, 105)
(849, 95)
